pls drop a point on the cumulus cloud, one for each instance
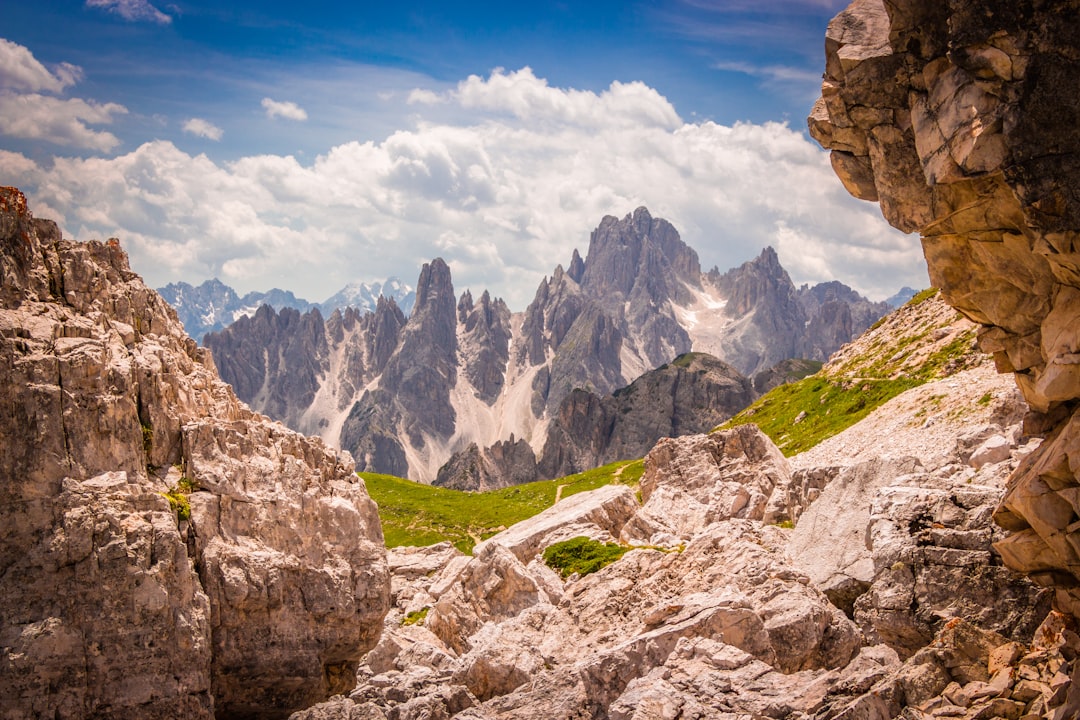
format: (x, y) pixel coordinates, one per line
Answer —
(132, 10)
(502, 196)
(21, 71)
(25, 112)
(203, 128)
(57, 120)
(287, 110)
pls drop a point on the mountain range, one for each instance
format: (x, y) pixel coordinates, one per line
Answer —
(464, 374)
(213, 305)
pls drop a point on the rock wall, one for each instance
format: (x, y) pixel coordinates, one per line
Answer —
(962, 120)
(116, 601)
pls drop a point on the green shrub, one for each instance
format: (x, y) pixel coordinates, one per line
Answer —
(416, 617)
(179, 503)
(582, 555)
(923, 296)
(147, 439)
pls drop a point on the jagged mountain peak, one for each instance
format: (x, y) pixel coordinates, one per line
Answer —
(435, 285)
(638, 251)
(404, 395)
(577, 267)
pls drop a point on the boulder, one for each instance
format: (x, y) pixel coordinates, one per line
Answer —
(696, 480)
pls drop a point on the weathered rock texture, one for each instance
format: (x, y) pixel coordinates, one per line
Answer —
(886, 598)
(692, 394)
(962, 121)
(111, 605)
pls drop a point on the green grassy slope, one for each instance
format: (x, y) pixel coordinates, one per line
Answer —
(417, 514)
(922, 341)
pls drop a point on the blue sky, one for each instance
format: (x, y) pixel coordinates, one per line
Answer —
(364, 139)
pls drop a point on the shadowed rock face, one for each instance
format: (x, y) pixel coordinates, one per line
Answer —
(962, 120)
(113, 605)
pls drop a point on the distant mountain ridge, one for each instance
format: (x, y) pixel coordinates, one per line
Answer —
(213, 305)
(405, 394)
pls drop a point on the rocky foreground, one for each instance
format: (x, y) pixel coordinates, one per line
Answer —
(251, 590)
(887, 597)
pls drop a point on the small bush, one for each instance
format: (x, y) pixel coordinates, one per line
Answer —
(582, 555)
(147, 439)
(179, 503)
(922, 297)
(416, 617)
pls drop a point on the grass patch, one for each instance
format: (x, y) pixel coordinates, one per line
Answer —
(417, 514)
(179, 503)
(582, 555)
(921, 297)
(830, 408)
(416, 617)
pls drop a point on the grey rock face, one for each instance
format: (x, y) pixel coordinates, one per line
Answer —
(485, 343)
(507, 462)
(394, 401)
(259, 350)
(114, 606)
(412, 396)
(692, 394)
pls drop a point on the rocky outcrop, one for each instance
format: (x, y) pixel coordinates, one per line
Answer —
(960, 120)
(507, 462)
(692, 394)
(701, 479)
(722, 625)
(718, 610)
(251, 590)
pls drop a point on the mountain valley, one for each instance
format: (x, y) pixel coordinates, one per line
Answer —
(466, 393)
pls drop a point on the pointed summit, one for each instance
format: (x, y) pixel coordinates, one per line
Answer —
(577, 267)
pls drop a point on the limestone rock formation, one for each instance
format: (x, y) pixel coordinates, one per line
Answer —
(118, 601)
(720, 611)
(960, 120)
(637, 301)
(700, 479)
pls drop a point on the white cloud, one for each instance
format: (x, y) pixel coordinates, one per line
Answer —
(21, 71)
(287, 110)
(203, 128)
(28, 114)
(57, 120)
(776, 73)
(522, 94)
(503, 197)
(132, 10)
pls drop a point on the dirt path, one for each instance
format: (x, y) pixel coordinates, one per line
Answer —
(614, 478)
